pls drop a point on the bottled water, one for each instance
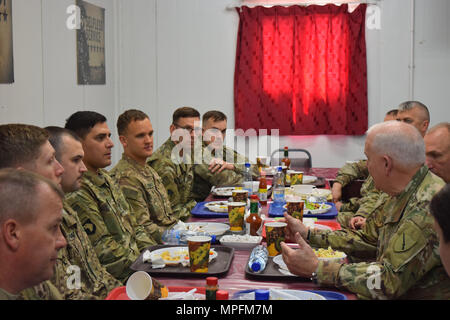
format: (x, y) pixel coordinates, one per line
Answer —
(176, 237)
(258, 259)
(278, 188)
(248, 179)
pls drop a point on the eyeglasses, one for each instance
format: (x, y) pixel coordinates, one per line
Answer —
(190, 129)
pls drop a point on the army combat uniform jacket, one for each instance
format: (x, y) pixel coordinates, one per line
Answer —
(145, 192)
(400, 238)
(78, 274)
(105, 216)
(178, 179)
(370, 196)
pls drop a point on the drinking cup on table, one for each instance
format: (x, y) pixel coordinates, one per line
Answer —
(199, 247)
(296, 177)
(275, 234)
(236, 213)
(295, 207)
(240, 195)
(140, 286)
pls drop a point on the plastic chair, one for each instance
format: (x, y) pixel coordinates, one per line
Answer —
(296, 163)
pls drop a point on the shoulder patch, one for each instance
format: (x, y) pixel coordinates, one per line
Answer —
(89, 227)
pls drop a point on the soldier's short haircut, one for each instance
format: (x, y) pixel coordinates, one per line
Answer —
(392, 112)
(20, 144)
(185, 112)
(82, 122)
(408, 105)
(128, 117)
(215, 115)
(439, 209)
(19, 195)
(400, 141)
(441, 125)
(56, 137)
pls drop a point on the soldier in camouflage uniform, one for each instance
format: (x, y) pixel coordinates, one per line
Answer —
(398, 241)
(100, 204)
(139, 182)
(174, 161)
(357, 207)
(226, 171)
(30, 214)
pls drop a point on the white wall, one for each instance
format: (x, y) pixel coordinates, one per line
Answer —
(45, 91)
(164, 54)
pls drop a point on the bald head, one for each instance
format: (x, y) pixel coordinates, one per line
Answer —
(437, 146)
(395, 151)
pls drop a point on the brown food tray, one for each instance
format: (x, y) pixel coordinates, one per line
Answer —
(271, 273)
(217, 267)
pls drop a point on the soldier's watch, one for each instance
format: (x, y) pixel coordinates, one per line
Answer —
(314, 277)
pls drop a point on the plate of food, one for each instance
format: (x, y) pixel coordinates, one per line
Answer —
(223, 191)
(314, 208)
(309, 179)
(217, 206)
(174, 255)
(329, 254)
(241, 242)
(212, 228)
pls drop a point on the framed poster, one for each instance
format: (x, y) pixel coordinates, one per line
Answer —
(6, 42)
(91, 44)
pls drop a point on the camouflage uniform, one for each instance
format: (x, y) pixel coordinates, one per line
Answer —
(44, 291)
(146, 195)
(4, 295)
(370, 196)
(178, 179)
(104, 213)
(399, 237)
(96, 282)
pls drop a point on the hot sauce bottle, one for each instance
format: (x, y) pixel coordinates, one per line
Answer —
(253, 221)
(286, 161)
(263, 189)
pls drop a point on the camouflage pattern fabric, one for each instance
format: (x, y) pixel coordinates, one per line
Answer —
(145, 192)
(95, 281)
(400, 238)
(44, 291)
(4, 295)
(352, 171)
(178, 179)
(104, 214)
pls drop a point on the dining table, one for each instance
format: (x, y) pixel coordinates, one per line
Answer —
(236, 279)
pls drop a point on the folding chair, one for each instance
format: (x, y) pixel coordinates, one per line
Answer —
(297, 163)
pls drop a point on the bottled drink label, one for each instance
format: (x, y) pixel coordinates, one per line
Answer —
(262, 194)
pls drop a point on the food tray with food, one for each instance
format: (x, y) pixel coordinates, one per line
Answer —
(213, 209)
(217, 267)
(331, 213)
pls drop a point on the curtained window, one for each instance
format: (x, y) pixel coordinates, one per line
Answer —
(302, 70)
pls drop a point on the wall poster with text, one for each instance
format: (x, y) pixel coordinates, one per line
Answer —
(6, 42)
(91, 44)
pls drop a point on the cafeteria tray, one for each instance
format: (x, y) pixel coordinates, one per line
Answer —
(277, 211)
(217, 267)
(200, 211)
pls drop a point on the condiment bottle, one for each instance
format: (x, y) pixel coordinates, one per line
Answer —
(222, 295)
(253, 221)
(286, 161)
(263, 189)
(211, 288)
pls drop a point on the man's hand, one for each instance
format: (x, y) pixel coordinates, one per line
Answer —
(357, 223)
(303, 261)
(338, 205)
(218, 165)
(336, 192)
(294, 226)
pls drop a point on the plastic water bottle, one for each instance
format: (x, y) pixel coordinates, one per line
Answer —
(248, 179)
(171, 236)
(278, 187)
(258, 259)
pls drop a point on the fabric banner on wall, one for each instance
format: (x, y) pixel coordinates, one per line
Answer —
(91, 44)
(6, 42)
(302, 70)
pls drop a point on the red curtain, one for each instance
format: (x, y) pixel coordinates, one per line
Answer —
(302, 70)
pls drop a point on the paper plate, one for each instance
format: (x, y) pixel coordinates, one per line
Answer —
(217, 206)
(212, 228)
(176, 255)
(223, 191)
(230, 241)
